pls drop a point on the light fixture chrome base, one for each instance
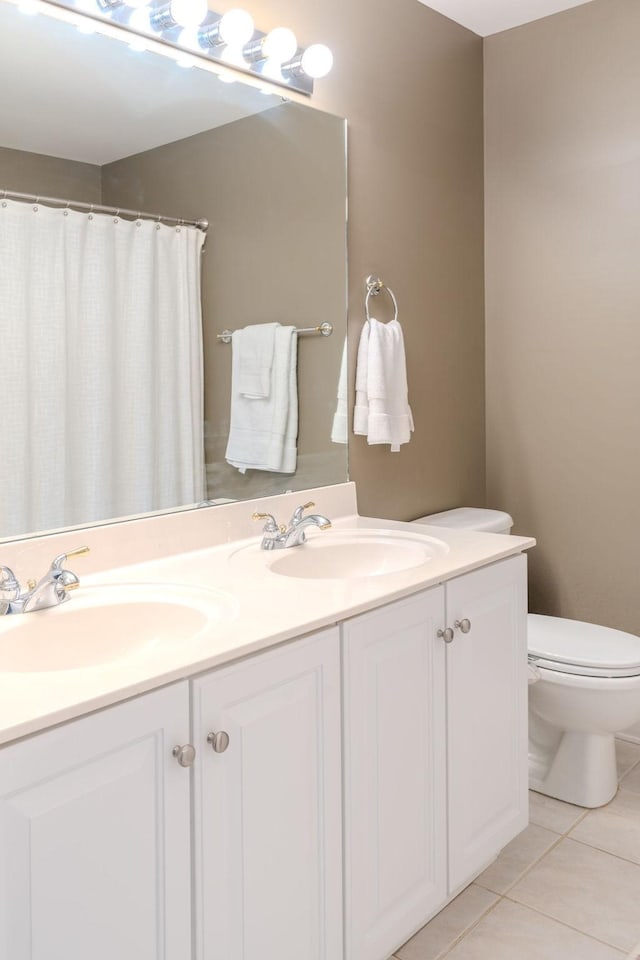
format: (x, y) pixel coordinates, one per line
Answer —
(163, 30)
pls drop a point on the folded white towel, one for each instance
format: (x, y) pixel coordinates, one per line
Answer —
(382, 412)
(339, 427)
(263, 431)
(254, 347)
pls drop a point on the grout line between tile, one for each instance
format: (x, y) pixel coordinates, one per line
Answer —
(594, 846)
(627, 772)
(589, 936)
(472, 926)
(568, 830)
(535, 863)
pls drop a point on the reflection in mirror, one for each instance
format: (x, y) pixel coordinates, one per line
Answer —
(116, 389)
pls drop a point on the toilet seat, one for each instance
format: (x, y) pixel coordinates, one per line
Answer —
(582, 649)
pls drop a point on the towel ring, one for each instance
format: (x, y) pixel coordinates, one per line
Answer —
(374, 287)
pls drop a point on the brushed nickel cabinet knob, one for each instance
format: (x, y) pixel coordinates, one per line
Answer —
(464, 626)
(446, 634)
(219, 741)
(185, 755)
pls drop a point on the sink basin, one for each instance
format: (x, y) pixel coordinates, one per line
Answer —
(100, 625)
(349, 554)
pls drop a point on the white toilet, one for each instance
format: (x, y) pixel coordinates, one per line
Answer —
(584, 687)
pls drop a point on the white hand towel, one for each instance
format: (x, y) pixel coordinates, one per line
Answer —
(361, 409)
(382, 402)
(254, 346)
(339, 426)
(263, 431)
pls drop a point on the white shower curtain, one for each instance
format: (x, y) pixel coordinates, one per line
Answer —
(101, 392)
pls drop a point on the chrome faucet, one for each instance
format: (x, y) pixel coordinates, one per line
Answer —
(52, 589)
(280, 537)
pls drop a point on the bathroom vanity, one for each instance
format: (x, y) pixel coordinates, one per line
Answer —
(312, 776)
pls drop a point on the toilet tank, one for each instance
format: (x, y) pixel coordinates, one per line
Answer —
(471, 518)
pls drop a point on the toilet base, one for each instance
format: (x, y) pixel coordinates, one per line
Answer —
(580, 768)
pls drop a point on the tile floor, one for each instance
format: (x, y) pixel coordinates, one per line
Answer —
(568, 888)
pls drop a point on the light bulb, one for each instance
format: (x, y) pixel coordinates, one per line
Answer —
(316, 61)
(189, 13)
(236, 27)
(280, 45)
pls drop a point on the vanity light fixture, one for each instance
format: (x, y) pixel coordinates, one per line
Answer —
(197, 36)
(235, 28)
(179, 13)
(316, 62)
(278, 45)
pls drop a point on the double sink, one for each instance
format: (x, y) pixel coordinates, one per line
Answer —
(110, 623)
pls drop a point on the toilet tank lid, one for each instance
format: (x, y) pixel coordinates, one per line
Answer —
(585, 645)
(471, 518)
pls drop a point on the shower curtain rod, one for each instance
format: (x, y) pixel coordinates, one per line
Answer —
(99, 208)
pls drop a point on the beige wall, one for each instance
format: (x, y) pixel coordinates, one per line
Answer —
(409, 82)
(275, 252)
(563, 303)
(24, 172)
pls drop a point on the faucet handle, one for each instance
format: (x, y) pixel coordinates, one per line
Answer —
(62, 558)
(67, 581)
(297, 513)
(8, 584)
(270, 526)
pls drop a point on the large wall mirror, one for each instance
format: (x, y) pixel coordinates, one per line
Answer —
(115, 395)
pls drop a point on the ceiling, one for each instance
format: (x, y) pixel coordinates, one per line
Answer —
(485, 17)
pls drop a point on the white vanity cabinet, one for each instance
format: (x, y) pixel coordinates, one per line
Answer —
(110, 848)
(435, 739)
(268, 805)
(487, 718)
(94, 837)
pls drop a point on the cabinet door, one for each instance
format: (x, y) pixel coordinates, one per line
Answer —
(94, 837)
(487, 715)
(268, 809)
(395, 818)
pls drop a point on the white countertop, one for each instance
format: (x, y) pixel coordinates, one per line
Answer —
(267, 609)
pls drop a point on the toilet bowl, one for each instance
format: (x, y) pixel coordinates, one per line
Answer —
(584, 687)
